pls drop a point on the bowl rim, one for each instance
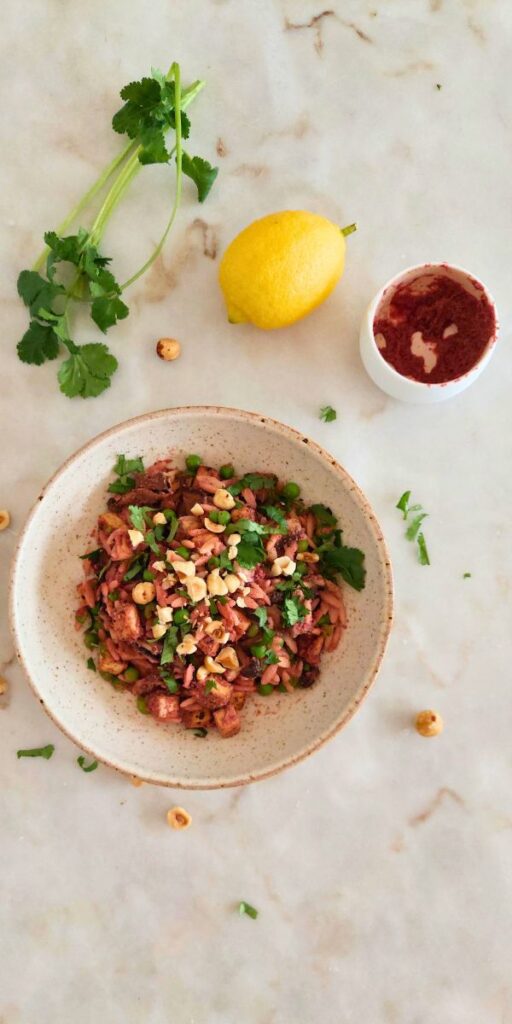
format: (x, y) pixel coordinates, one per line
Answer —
(410, 382)
(385, 629)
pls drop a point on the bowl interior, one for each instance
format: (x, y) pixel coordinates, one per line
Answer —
(276, 731)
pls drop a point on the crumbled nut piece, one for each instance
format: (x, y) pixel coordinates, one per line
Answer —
(135, 781)
(197, 510)
(178, 818)
(308, 556)
(216, 629)
(202, 674)
(183, 569)
(159, 519)
(168, 349)
(214, 527)
(217, 587)
(158, 566)
(4, 686)
(228, 658)
(232, 582)
(213, 667)
(240, 601)
(232, 551)
(223, 499)
(234, 539)
(429, 723)
(187, 646)
(164, 614)
(196, 589)
(159, 630)
(143, 593)
(283, 566)
(136, 538)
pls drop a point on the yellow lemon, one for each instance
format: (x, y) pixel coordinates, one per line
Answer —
(281, 267)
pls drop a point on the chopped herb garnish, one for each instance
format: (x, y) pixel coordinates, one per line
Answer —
(201, 732)
(259, 650)
(142, 706)
(413, 531)
(255, 482)
(92, 556)
(466, 576)
(45, 752)
(91, 767)
(137, 566)
(170, 682)
(124, 468)
(278, 516)
(250, 551)
(137, 517)
(336, 559)
(293, 611)
(271, 658)
(221, 561)
(261, 615)
(328, 414)
(114, 595)
(91, 664)
(323, 515)
(211, 684)
(423, 555)
(245, 908)
(151, 541)
(169, 646)
(148, 576)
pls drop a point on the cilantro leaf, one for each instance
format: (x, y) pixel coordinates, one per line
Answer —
(250, 526)
(170, 682)
(250, 551)
(414, 527)
(245, 908)
(45, 752)
(124, 465)
(87, 372)
(38, 344)
(147, 115)
(261, 615)
(211, 684)
(278, 516)
(141, 99)
(36, 292)
(255, 481)
(423, 556)
(347, 562)
(107, 311)
(293, 611)
(403, 503)
(170, 645)
(201, 172)
(328, 414)
(137, 517)
(323, 515)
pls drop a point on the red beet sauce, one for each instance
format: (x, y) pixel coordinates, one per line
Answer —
(432, 329)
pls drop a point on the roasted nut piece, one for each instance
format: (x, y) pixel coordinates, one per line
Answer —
(143, 593)
(223, 499)
(178, 818)
(429, 723)
(168, 349)
(5, 519)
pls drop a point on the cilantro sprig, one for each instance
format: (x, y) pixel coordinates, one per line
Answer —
(71, 270)
(414, 531)
(336, 559)
(328, 414)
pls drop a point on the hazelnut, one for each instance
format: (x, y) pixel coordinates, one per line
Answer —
(143, 593)
(178, 818)
(168, 349)
(5, 519)
(429, 723)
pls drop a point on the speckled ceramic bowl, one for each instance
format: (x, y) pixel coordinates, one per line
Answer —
(276, 731)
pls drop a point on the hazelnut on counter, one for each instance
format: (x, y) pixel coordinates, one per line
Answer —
(429, 723)
(168, 349)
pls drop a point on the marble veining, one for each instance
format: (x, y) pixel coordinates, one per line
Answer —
(381, 865)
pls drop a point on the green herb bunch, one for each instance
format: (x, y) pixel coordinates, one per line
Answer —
(71, 270)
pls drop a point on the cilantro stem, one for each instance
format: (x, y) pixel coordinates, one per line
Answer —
(86, 199)
(178, 106)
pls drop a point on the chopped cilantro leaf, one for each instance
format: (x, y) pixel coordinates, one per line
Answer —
(45, 752)
(250, 551)
(245, 908)
(261, 615)
(293, 611)
(137, 517)
(202, 173)
(278, 516)
(91, 767)
(211, 684)
(466, 576)
(255, 482)
(170, 682)
(347, 562)
(423, 556)
(414, 528)
(328, 414)
(201, 732)
(403, 503)
(323, 515)
(169, 646)
(91, 664)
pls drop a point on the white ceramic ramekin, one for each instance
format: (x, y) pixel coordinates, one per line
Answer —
(404, 388)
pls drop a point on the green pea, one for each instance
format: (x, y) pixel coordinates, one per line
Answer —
(131, 674)
(110, 678)
(142, 706)
(253, 630)
(303, 545)
(291, 491)
(184, 552)
(90, 640)
(259, 650)
(180, 616)
(265, 689)
(149, 610)
(227, 471)
(193, 462)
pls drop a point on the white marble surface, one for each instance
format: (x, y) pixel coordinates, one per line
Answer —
(382, 866)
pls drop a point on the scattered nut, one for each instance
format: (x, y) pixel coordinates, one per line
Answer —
(168, 349)
(196, 589)
(232, 582)
(187, 646)
(214, 527)
(159, 630)
(217, 587)
(143, 593)
(217, 631)
(159, 519)
(183, 569)
(283, 566)
(308, 556)
(197, 510)
(178, 818)
(212, 667)
(5, 518)
(429, 723)
(158, 566)
(234, 539)
(164, 614)
(136, 538)
(223, 499)
(228, 658)
(4, 686)
(135, 781)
